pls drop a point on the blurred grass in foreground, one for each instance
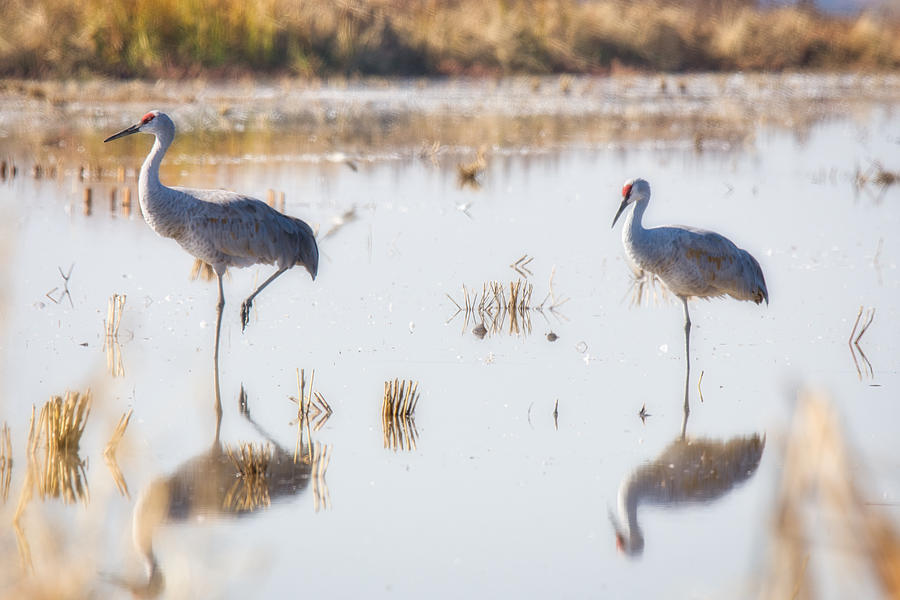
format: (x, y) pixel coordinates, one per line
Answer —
(143, 38)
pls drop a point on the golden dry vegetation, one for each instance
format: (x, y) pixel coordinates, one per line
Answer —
(142, 38)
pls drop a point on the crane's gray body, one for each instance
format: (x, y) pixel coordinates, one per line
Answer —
(222, 228)
(692, 262)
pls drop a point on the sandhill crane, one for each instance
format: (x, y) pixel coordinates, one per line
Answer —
(687, 471)
(690, 262)
(221, 228)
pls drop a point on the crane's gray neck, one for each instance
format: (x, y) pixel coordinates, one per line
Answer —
(628, 503)
(633, 228)
(149, 183)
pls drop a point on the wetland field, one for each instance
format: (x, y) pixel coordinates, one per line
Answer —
(490, 402)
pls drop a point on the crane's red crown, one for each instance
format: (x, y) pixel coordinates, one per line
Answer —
(147, 118)
(626, 189)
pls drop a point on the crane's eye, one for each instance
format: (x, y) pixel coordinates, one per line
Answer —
(626, 190)
(147, 118)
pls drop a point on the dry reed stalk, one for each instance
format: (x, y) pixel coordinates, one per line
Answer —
(6, 461)
(115, 363)
(109, 453)
(21, 540)
(398, 408)
(250, 489)
(312, 412)
(325, 414)
(126, 202)
(820, 479)
(854, 343)
(321, 458)
(114, 309)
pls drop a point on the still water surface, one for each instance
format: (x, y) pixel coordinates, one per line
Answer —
(498, 497)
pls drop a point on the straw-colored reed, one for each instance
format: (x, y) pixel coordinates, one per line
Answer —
(250, 489)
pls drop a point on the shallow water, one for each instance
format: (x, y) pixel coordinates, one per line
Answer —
(498, 497)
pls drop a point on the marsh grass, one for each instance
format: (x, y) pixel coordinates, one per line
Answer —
(312, 413)
(60, 472)
(250, 489)
(853, 343)
(876, 176)
(821, 482)
(499, 308)
(109, 453)
(381, 37)
(60, 424)
(398, 407)
(468, 174)
(6, 461)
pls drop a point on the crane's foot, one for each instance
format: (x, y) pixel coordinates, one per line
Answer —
(245, 314)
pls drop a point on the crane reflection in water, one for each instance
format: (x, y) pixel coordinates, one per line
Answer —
(690, 470)
(226, 481)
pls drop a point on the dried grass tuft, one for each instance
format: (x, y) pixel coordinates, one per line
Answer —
(820, 484)
(250, 489)
(398, 407)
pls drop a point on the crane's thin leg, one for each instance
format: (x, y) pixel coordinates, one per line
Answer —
(687, 362)
(245, 305)
(219, 306)
(245, 412)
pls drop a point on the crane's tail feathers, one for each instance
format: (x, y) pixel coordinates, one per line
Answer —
(307, 251)
(760, 292)
(309, 256)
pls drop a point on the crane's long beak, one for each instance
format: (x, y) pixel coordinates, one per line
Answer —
(128, 131)
(619, 212)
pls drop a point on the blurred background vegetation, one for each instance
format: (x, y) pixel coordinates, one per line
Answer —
(178, 38)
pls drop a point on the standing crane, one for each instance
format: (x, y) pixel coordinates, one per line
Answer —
(221, 228)
(690, 262)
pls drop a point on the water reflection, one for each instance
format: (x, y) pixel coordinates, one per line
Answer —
(688, 470)
(225, 481)
(54, 466)
(494, 307)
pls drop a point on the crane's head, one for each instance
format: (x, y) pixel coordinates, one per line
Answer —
(632, 191)
(154, 122)
(628, 541)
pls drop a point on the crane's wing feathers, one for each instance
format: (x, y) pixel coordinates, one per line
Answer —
(235, 230)
(704, 263)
